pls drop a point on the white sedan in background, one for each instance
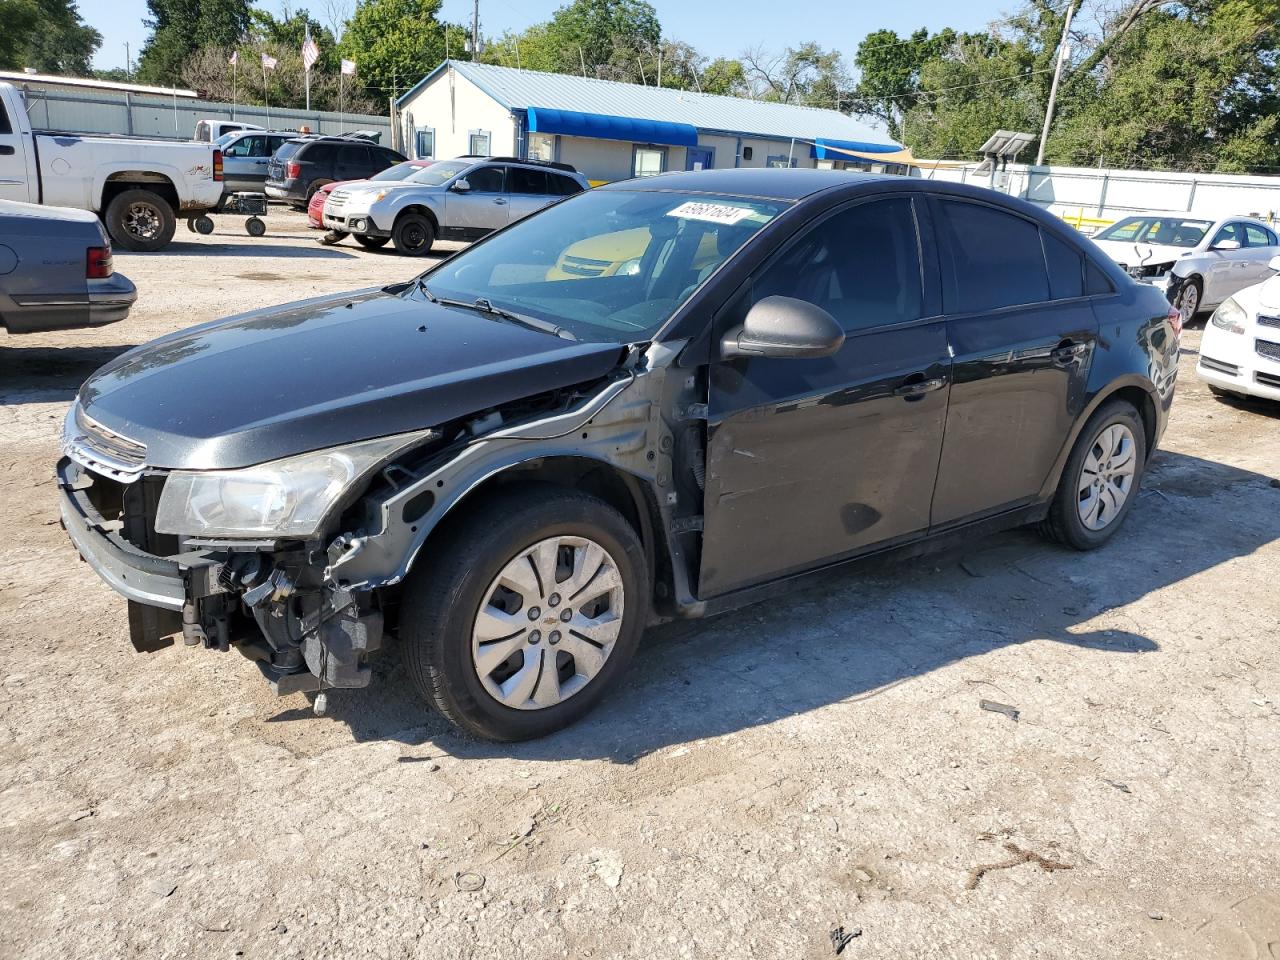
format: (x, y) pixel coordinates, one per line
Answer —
(1240, 350)
(1199, 262)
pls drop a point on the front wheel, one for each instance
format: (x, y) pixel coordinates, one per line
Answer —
(413, 235)
(1101, 478)
(1189, 298)
(527, 612)
(140, 220)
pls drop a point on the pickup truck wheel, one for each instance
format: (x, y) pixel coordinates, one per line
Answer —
(413, 235)
(372, 243)
(527, 613)
(140, 220)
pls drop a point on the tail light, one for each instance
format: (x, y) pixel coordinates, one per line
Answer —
(98, 264)
(292, 170)
(1175, 320)
(217, 165)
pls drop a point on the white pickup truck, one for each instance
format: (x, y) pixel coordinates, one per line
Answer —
(138, 187)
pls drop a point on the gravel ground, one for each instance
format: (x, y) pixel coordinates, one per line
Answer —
(816, 762)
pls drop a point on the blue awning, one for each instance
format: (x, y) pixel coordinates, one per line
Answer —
(819, 149)
(601, 126)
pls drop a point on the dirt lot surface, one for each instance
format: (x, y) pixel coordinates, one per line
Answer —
(817, 762)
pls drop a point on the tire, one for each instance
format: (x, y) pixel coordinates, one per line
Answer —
(442, 632)
(256, 226)
(413, 235)
(1066, 522)
(372, 243)
(1189, 299)
(204, 225)
(140, 220)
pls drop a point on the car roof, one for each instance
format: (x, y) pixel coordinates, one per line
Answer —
(772, 182)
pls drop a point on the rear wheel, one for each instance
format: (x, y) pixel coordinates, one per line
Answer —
(1101, 478)
(413, 235)
(527, 613)
(140, 220)
(372, 243)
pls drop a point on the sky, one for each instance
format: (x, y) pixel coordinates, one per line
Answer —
(706, 25)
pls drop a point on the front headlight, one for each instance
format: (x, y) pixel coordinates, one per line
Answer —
(1230, 316)
(285, 498)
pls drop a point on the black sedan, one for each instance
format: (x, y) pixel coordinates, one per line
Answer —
(655, 399)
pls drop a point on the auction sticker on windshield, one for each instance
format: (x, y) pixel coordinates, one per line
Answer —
(710, 212)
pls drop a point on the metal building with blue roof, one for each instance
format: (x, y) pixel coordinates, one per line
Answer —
(610, 130)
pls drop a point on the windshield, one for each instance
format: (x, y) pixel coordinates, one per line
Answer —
(1166, 231)
(608, 264)
(437, 173)
(401, 171)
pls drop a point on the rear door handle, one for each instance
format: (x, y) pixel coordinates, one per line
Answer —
(499, 200)
(1068, 352)
(918, 388)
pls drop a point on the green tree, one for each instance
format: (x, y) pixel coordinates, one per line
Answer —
(806, 74)
(394, 43)
(20, 18)
(607, 39)
(889, 72)
(181, 27)
(63, 43)
(725, 76)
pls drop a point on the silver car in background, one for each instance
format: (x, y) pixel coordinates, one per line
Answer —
(56, 270)
(245, 155)
(1198, 261)
(462, 199)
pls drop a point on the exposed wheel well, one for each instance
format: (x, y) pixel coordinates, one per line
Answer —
(620, 490)
(156, 183)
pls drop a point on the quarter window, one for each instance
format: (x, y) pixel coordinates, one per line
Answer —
(562, 185)
(1258, 236)
(1066, 267)
(861, 265)
(994, 258)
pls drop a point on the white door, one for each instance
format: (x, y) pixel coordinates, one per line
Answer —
(1261, 247)
(16, 182)
(1228, 269)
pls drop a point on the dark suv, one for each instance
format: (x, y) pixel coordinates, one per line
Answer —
(305, 164)
(659, 398)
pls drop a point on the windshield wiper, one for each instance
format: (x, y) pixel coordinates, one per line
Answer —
(483, 305)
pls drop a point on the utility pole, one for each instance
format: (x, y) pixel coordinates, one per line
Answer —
(1064, 51)
(128, 64)
(475, 30)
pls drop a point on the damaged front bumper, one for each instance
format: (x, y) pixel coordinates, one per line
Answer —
(268, 600)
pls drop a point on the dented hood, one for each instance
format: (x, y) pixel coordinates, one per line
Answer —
(325, 372)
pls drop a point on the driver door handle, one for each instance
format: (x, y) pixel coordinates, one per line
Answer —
(499, 200)
(1068, 351)
(919, 388)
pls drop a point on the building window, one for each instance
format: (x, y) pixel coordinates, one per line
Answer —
(425, 144)
(780, 160)
(478, 143)
(648, 161)
(542, 146)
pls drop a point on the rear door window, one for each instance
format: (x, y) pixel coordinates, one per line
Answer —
(1258, 236)
(524, 180)
(991, 259)
(319, 153)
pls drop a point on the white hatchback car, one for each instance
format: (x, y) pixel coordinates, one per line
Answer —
(1199, 262)
(1240, 351)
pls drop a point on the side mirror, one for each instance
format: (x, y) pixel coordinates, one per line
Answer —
(1275, 263)
(461, 186)
(784, 327)
(1227, 245)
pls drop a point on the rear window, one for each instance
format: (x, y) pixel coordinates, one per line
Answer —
(203, 132)
(995, 258)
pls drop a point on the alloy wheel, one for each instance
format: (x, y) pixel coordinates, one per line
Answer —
(143, 221)
(548, 623)
(1189, 302)
(1106, 478)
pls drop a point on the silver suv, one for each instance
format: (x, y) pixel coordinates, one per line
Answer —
(461, 199)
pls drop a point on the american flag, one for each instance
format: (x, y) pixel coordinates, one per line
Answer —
(268, 63)
(310, 53)
(349, 68)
